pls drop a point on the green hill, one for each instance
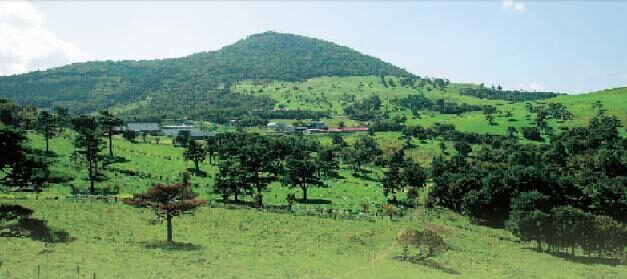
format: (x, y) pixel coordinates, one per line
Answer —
(192, 84)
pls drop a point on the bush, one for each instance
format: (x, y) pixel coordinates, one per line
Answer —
(420, 245)
(531, 133)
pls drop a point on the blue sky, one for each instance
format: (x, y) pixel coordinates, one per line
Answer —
(567, 46)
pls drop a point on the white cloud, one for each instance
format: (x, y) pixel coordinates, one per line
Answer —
(509, 5)
(26, 44)
(531, 86)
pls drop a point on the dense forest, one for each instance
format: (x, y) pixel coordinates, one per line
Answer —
(567, 193)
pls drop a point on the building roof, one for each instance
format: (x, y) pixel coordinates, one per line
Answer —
(194, 132)
(148, 126)
(339, 130)
(201, 134)
(183, 126)
(355, 129)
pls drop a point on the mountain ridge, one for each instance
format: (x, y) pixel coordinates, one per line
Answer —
(90, 86)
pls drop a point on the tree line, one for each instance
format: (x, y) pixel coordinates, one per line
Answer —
(498, 93)
(544, 192)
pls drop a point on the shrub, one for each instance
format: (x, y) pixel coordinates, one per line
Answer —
(420, 245)
(531, 133)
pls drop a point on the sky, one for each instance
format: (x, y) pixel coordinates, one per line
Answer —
(566, 46)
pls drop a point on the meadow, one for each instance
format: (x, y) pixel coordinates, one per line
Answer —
(112, 240)
(334, 93)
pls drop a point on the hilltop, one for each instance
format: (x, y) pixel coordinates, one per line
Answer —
(179, 85)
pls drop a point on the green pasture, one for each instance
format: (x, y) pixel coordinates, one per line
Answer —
(112, 240)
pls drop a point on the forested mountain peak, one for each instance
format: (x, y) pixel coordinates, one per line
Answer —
(91, 86)
(283, 56)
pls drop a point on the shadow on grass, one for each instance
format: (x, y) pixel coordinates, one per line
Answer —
(171, 246)
(50, 154)
(239, 202)
(117, 159)
(335, 175)
(364, 177)
(196, 172)
(430, 264)
(581, 259)
(313, 201)
(435, 265)
(37, 230)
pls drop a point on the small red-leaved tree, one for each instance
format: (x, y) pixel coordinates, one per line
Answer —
(167, 201)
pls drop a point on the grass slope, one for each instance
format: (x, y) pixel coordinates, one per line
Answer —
(116, 241)
(334, 93)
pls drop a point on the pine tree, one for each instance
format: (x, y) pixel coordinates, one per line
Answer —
(89, 145)
(167, 201)
(45, 124)
(195, 152)
(108, 122)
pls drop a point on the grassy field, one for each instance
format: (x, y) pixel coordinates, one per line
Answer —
(163, 163)
(334, 93)
(113, 240)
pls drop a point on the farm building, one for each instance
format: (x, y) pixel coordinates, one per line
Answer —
(280, 127)
(347, 130)
(317, 125)
(314, 131)
(195, 133)
(354, 129)
(148, 128)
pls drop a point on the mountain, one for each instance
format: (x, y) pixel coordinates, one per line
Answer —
(195, 83)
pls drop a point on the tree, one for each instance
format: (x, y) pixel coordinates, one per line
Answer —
(129, 135)
(108, 122)
(62, 118)
(231, 180)
(19, 164)
(442, 146)
(415, 177)
(9, 112)
(568, 226)
(393, 180)
(511, 133)
(462, 147)
(328, 161)
(167, 201)
(490, 118)
(182, 138)
(531, 133)
(195, 152)
(364, 151)
(301, 172)
(89, 145)
(45, 124)
(255, 159)
(489, 114)
(212, 148)
(27, 117)
(604, 129)
(529, 219)
(338, 140)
